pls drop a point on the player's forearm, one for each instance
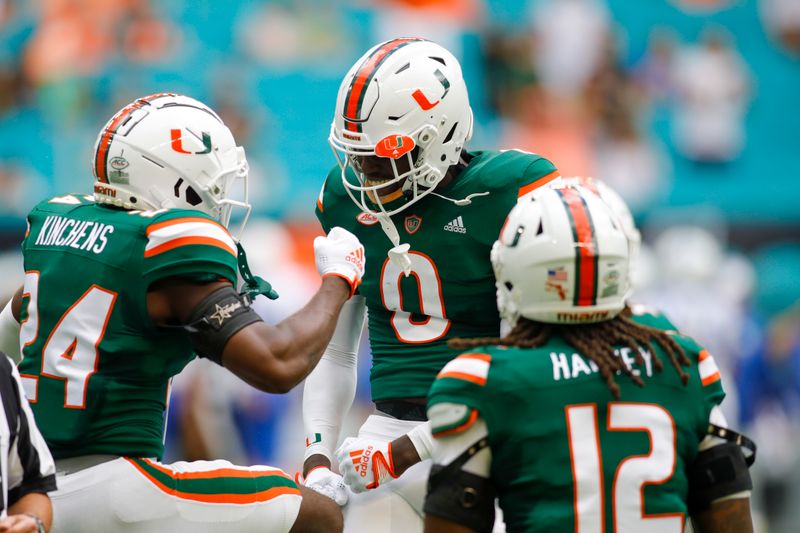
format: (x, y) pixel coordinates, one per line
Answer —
(308, 331)
(726, 516)
(34, 504)
(331, 387)
(404, 454)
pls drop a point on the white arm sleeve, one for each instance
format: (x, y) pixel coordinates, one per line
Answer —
(447, 448)
(331, 387)
(9, 333)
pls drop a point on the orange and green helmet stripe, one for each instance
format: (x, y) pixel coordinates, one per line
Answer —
(223, 485)
(101, 152)
(364, 74)
(585, 293)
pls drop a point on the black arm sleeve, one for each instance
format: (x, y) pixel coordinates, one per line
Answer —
(462, 497)
(216, 319)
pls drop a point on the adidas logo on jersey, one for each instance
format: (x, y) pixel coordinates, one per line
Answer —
(456, 225)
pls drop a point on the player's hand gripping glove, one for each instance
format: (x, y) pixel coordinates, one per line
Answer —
(327, 483)
(341, 254)
(365, 464)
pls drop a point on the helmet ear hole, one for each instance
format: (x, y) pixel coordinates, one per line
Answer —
(192, 198)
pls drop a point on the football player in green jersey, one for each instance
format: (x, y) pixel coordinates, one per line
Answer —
(427, 212)
(572, 419)
(121, 289)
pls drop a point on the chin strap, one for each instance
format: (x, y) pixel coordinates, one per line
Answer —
(253, 285)
(398, 255)
(464, 201)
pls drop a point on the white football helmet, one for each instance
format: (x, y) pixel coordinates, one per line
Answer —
(403, 98)
(561, 258)
(619, 207)
(166, 150)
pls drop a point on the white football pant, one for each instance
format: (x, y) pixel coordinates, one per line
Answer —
(143, 495)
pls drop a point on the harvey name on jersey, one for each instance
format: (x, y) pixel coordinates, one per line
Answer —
(567, 366)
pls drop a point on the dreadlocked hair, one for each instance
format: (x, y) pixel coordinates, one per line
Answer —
(595, 341)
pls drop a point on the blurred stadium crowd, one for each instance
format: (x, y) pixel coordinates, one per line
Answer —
(685, 107)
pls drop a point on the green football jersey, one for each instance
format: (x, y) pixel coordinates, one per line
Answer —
(565, 455)
(451, 291)
(95, 368)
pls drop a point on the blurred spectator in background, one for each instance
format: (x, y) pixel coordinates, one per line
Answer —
(653, 73)
(508, 67)
(570, 41)
(20, 186)
(293, 35)
(782, 21)
(713, 89)
(769, 396)
(695, 273)
(626, 158)
(442, 21)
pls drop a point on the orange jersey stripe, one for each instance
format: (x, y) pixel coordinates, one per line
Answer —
(219, 472)
(255, 497)
(482, 356)
(186, 241)
(538, 183)
(184, 220)
(462, 375)
(473, 416)
(711, 379)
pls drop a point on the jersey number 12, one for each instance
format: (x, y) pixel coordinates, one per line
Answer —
(632, 473)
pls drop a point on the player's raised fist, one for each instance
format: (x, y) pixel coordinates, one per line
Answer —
(341, 254)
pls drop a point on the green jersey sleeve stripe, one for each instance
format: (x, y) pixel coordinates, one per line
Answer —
(458, 426)
(165, 236)
(709, 372)
(472, 367)
(539, 182)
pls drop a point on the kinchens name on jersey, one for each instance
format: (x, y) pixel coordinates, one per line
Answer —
(78, 234)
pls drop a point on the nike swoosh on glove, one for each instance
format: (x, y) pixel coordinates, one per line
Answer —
(327, 483)
(365, 464)
(340, 253)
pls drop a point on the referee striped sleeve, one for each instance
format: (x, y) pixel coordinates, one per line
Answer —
(29, 466)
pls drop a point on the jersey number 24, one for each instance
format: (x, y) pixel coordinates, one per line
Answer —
(70, 352)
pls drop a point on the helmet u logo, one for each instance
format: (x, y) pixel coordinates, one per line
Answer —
(177, 145)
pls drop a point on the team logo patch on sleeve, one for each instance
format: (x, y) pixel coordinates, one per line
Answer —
(709, 372)
(472, 367)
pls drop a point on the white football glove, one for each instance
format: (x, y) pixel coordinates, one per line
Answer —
(341, 254)
(327, 483)
(365, 464)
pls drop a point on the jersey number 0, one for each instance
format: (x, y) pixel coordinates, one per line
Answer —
(429, 285)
